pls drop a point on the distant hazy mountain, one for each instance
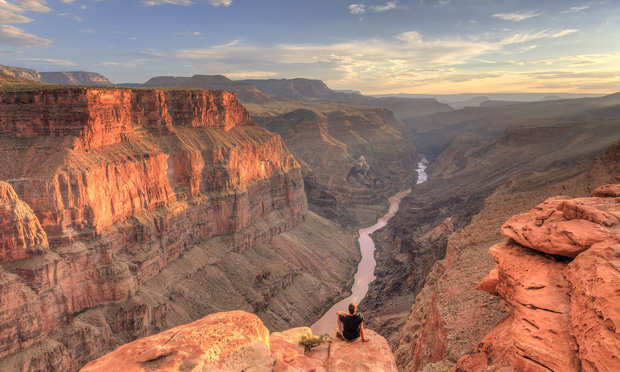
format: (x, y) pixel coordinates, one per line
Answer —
(21, 73)
(474, 102)
(308, 89)
(246, 92)
(75, 78)
(58, 78)
(522, 97)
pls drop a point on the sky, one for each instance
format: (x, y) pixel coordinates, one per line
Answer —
(373, 46)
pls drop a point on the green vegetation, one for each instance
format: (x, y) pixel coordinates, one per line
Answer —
(309, 341)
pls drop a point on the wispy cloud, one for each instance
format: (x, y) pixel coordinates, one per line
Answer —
(357, 8)
(516, 17)
(69, 15)
(525, 36)
(11, 35)
(575, 9)
(12, 12)
(59, 62)
(188, 33)
(224, 3)
(382, 8)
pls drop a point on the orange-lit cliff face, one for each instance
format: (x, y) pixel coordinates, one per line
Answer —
(122, 183)
(557, 276)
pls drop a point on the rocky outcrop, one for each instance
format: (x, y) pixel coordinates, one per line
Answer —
(246, 92)
(350, 157)
(81, 78)
(562, 297)
(236, 341)
(151, 201)
(22, 235)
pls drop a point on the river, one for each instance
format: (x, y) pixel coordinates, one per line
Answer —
(366, 269)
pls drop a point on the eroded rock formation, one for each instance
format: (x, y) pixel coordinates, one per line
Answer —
(558, 279)
(150, 202)
(238, 341)
(352, 157)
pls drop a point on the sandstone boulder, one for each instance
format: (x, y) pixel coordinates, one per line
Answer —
(231, 341)
(564, 226)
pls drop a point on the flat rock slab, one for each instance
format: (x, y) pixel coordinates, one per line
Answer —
(371, 356)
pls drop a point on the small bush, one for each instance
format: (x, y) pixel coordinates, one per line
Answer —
(309, 341)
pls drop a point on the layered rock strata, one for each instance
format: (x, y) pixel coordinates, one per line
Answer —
(134, 211)
(238, 341)
(349, 157)
(558, 279)
(449, 300)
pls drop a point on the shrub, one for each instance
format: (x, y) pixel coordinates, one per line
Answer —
(309, 341)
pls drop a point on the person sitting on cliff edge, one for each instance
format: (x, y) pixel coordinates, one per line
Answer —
(351, 326)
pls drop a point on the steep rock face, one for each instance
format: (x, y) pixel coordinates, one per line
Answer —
(449, 300)
(564, 306)
(22, 235)
(236, 341)
(356, 157)
(152, 201)
(476, 163)
(247, 93)
(75, 78)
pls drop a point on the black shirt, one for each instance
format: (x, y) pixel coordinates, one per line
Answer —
(351, 325)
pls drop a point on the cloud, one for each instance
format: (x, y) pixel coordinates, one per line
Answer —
(11, 12)
(11, 35)
(357, 8)
(60, 62)
(575, 9)
(188, 33)
(250, 74)
(361, 8)
(33, 5)
(382, 8)
(69, 15)
(223, 3)
(68, 1)
(516, 17)
(524, 36)
(87, 31)
(10, 17)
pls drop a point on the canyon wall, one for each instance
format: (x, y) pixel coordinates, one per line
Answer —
(558, 278)
(435, 249)
(133, 211)
(352, 156)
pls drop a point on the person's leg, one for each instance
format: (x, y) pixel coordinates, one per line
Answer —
(339, 333)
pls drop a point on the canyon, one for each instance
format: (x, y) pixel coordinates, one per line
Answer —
(130, 212)
(488, 164)
(134, 211)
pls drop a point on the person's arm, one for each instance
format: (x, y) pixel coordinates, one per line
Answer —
(362, 332)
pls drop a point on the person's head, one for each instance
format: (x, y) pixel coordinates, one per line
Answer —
(352, 308)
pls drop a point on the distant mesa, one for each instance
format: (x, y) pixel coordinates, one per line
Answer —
(76, 78)
(551, 98)
(79, 78)
(475, 102)
(246, 92)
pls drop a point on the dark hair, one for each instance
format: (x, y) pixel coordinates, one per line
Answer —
(352, 308)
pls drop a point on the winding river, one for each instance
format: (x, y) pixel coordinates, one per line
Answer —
(366, 269)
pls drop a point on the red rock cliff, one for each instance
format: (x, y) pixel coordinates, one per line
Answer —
(123, 183)
(558, 279)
